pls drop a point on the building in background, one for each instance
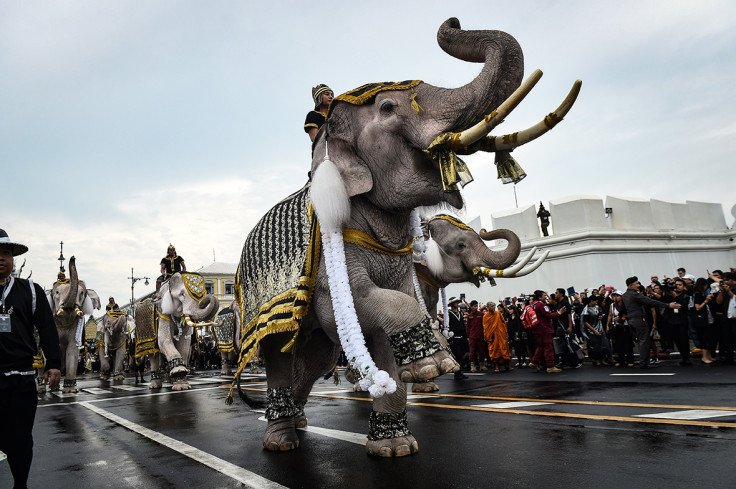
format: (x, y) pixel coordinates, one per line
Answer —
(592, 243)
(219, 280)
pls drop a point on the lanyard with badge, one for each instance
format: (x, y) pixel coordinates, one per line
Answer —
(5, 315)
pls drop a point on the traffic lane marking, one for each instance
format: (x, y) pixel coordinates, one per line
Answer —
(246, 477)
(131, 396)
(689, 414)
(511, 405)
(631, 419)
(357, 438)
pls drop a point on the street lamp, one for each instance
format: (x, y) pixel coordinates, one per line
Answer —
(133, 280)
(61, 257)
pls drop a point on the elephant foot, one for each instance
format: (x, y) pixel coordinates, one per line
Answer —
(155, 384)
(429, 386)
(177, 371)
(70, 386)
(392, 447)
(181, 385)
(356, 387)
(389, 435)
(300, 421)
(104, 377)
(427, 368)
(119, 377)
(280, 435)
(226, 372)
(41, 389)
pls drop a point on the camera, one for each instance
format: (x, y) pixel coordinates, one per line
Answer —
(715, 287)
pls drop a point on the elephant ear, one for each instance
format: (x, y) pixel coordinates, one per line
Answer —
(96, 304)
(355, 174)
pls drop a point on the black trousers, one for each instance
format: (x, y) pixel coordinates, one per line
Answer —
(641, 329)
(624, 343)
(682, 340)
(18, 401)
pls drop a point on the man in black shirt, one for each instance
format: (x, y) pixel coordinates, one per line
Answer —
(23, 305)
(170, 264)
(634, 302)
(677, 318)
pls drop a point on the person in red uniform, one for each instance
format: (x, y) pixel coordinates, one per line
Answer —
(543, 332)
(474, 328)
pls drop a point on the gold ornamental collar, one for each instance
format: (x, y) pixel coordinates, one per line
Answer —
(358, 237)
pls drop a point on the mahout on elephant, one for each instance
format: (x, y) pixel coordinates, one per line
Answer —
(71, 300)
(385, 150)
(165, 323)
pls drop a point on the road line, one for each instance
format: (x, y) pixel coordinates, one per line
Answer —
(129, 388)
(152, 394)
(250, 479)
(357, 438)
(641, 375)
(96, 391)
(511, 405)
(689, 414)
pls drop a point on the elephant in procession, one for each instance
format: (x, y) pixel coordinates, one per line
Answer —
(112, 336)
(164, 326)
(227, 337)
(331, 265)
(71, 300)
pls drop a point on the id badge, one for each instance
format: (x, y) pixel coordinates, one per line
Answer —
(4, 323)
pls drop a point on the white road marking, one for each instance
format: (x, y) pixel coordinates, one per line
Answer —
(167, 393)
(414, 397)
(641, 375)
(357, 438)
(64, 395)
(689, 414)
(335, 391)
(96, 390)
(250, 479)
(511, 405)
(129, 388)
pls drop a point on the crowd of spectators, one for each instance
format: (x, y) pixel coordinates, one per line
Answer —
(684, 317)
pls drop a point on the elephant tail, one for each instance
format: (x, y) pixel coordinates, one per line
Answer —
(249, 401)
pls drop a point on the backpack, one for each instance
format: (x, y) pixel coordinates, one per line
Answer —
(529, 318)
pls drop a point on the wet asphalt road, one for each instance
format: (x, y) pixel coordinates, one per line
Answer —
(590, 427)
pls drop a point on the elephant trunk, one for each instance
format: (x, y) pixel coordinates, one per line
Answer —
(70, 300)
(501, 74)
(504, 258)
(208, 307)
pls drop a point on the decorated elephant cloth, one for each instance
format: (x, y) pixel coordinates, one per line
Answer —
(277, 271)
(146, 329)
(224, 338)
(194, 285)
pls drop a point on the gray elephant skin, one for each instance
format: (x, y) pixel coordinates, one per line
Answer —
(378, 147)
(181, 306)
(70, 302)
(114, 331)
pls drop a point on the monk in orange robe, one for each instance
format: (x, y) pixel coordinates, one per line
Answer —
(496, 335)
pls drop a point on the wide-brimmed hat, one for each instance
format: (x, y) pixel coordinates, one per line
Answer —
(18, 249)
(452, 299)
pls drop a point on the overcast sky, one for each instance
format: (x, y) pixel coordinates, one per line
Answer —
(126, 126)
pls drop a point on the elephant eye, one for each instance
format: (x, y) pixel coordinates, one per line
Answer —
(461, 246)
(387, 107)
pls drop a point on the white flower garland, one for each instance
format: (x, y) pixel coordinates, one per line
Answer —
(445, 316)
(376, 382)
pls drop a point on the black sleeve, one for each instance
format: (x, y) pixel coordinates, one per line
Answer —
(314, 120)
(43, 319)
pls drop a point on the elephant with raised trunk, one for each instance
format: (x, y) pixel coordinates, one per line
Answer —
(112, 344)
(181, 305)
(385, 149)
(71, 300)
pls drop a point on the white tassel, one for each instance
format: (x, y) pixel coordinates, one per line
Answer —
(434, 258)
(329, 196)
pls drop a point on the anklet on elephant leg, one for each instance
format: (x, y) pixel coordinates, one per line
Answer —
(176, 362)
(415, 343)
(281, 403)
(383, 426)
(70, 383)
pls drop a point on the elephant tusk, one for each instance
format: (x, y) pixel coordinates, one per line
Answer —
(533, 267)
(461, 140)
(59, 312)
(508, 272)
(511, 141)
(190, 323)
(78, 312)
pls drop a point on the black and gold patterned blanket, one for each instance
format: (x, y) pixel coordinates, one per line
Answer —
(224, 334)
(146, 329)
(277, 271)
